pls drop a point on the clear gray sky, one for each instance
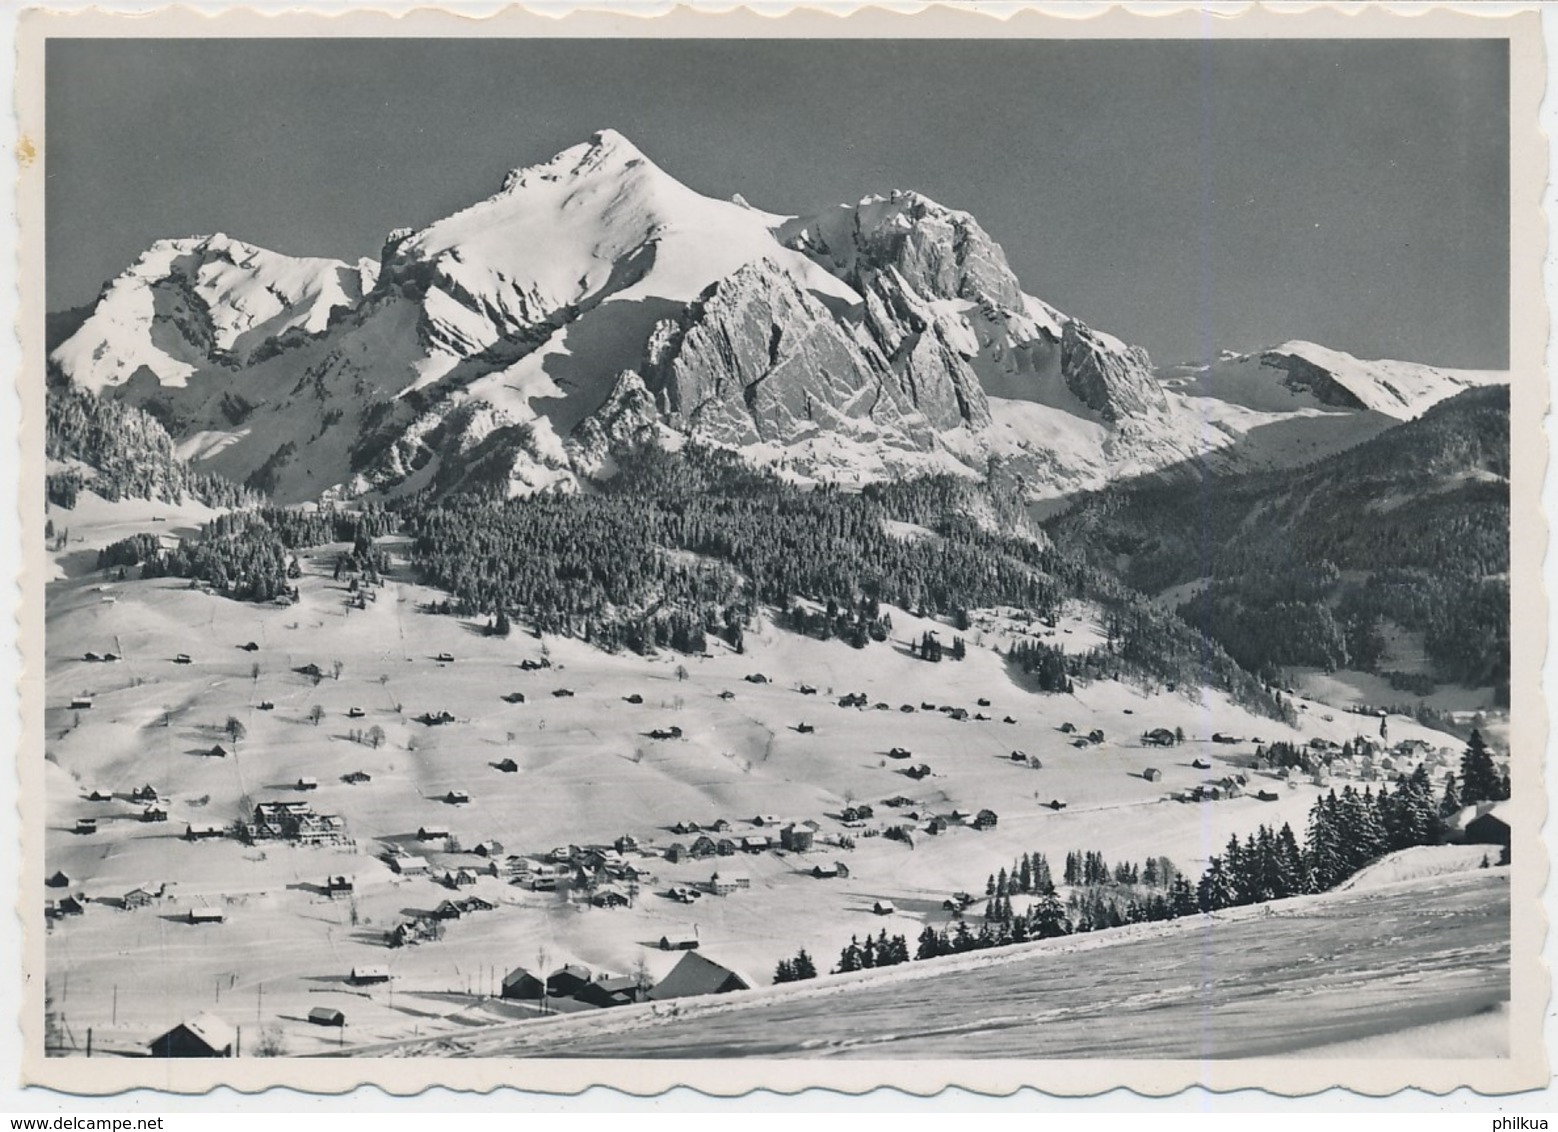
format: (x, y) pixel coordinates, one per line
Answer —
(1185, 196)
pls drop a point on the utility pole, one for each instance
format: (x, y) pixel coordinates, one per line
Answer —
(116, 1004)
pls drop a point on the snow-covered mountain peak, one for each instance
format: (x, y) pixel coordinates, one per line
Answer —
(191, 301)
(598, 221)
(606, 153)
(942, 252)
(1301, 374)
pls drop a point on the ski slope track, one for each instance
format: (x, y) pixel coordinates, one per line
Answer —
(1261, 981)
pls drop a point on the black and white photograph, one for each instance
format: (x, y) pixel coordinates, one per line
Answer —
(636, 549)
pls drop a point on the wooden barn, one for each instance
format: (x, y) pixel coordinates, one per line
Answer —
(366, 976)
(696, 974)
(621, 990)
(521, 984)
(568, 981)
(204, 1035)
(1489, 828)
(326, 1016)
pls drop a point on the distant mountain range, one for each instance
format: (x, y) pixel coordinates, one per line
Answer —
(594, 303)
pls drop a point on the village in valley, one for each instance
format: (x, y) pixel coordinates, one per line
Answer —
(340, 821)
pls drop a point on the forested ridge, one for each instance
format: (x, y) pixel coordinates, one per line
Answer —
(699, 536)
(128, 451)
(1306, 567)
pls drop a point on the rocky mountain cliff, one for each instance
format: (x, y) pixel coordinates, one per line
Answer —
(594, 302)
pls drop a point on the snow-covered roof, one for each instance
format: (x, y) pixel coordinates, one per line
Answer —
(210, 1029)
(696, 974)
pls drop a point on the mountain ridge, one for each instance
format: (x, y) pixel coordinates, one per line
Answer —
(868, 342)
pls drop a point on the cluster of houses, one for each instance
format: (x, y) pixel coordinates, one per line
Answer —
(1363, 760)
(422, 928)
(152, 803)
(1371, 762)
(694, 975)
(718, 839)
(606, 874)
(141, 896)
(1229, 786)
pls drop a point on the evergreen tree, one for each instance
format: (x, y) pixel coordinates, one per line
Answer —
(1216, 889)
(1049, 918)
(803, 967)
(1451, 801)
(1479, 777)
(962, 940)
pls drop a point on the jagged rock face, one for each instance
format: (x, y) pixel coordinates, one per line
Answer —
(940, 296)
(929, 349)
(629, 419)
(938, 252)
(1115, 381)
(757, 359)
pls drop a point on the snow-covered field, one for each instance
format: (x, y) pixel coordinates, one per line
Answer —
(1413, 969)
(587, 773)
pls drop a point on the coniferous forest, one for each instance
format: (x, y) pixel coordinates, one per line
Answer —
(121, 452)
(1310, 568)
